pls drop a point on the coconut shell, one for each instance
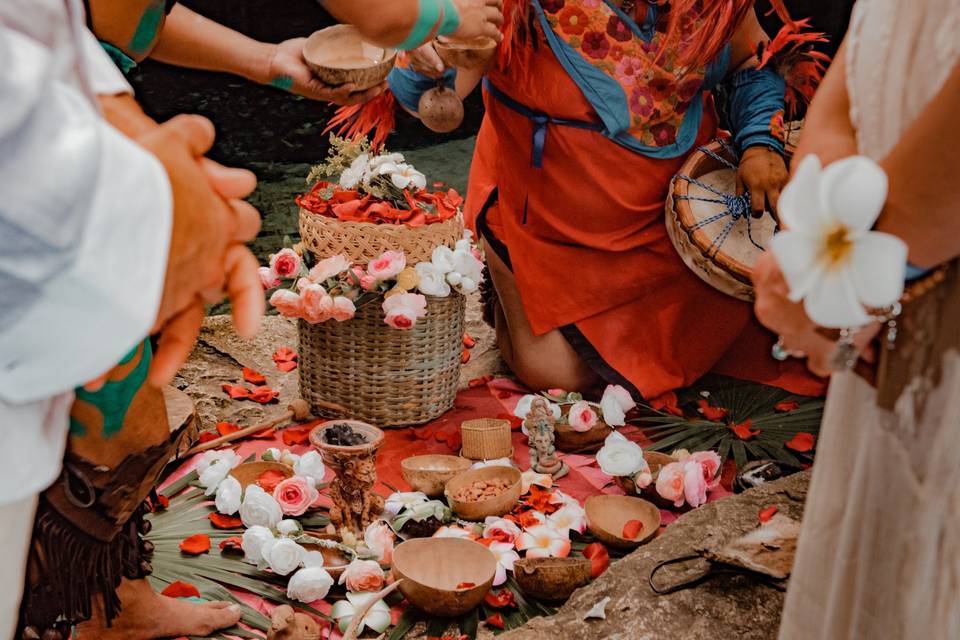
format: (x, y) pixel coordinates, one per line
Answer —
(441, 109)
(339, 55)
(444, 576)
(473, 53)
(551, 579)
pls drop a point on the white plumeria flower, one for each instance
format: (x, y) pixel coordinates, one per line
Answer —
(353, 175)
(494, 527)
(399, 501)
(387, 158)
(499, 462)
(829, 256)
(531, 477)
(570, 517)
(453, 532)
(406, 177)
(377, 618)
(506, 557)
(544, 541)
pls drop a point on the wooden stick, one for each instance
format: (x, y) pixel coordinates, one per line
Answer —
(298, 411)
(360, 614)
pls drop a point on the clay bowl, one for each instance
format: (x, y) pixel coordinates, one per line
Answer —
(335, 561)
(248, 472)
(570, 441)
(430, 473)
(338, 55)
(496, 506)
(472, 53)
(606, 516)
(551, 579)
(333, 454)
(432, 569)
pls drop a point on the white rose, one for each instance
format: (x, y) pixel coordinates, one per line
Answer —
(289, 527)
(259, 508)
(616, 402)
(432, 280)
(313, 559)
(399, 501)
(442, 258)
(309, 585)
(620, 457)
(254, 539)
(271, 455)
(283, 556)
(209, 457)
(352, 176)
(229, 495)
(213, 475)
(310, 466)
(386, 158)
(454, 278)
(467, 265)
(468, 285)
(464, 245)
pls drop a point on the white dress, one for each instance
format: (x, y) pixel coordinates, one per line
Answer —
(879, 554)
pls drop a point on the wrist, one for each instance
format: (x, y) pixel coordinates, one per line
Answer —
(258, 66)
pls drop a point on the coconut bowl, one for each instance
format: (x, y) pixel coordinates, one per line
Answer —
(472, 53)
(551, 579)
(335, 560)
(249, 472)
(570, 441)
(339, 55)
(333, 454)
(430, 473)
(607, 515)
(656, 461)
(480, 509)
(444, 576)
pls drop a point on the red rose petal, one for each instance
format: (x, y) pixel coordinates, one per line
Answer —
(226, 428)
(500, 600)
(221, 521)
(801, 443)
(714, 414)
(294, 436)
(195, 544)
(495, 621)
(287, 366)
(268, 480)
(743, 431)
(208, 436)
(253, 376)
(180, 589)
(236, 391)
(766, 514)
(233, 543)
(284, 354)
(468, 341)
(787, 406)
(264, 395)
(668, 403)
(479, 382)
(632, 529)
(599, 558)
(466, 585)
(162, 502)
(465, 356)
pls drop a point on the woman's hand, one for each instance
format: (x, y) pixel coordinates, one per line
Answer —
(288, 70)
(764, 174)
(479, 18)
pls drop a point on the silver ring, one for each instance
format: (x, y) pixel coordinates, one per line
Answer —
(780, 353)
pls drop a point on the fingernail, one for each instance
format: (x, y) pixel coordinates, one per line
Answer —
(234, 608)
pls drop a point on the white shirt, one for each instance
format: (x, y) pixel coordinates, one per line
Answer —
(85, 221)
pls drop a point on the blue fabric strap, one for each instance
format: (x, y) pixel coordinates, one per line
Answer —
(756, 95)
(408, 85)
(540, 121)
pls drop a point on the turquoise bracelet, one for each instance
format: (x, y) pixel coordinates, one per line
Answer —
(451, 18)
(426, 21)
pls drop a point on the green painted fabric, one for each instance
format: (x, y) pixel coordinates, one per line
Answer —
(122, 60)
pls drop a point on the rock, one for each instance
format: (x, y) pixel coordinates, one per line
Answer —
(724, 607)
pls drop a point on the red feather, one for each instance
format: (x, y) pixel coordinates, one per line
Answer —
(357, 121)
(791, 52)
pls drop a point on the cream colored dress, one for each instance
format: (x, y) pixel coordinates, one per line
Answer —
(879, 555)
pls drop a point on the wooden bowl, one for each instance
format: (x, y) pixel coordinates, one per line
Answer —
(335, 561)
(570, 441)
(472, 53)
(656, 461)
(249, 472)
(551, 579)
(338, 55)
(607, 514)
(430, 473)
(433, 568)
(496, 506)
(333, 454)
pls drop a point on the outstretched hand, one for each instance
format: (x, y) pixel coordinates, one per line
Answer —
(763, 173)
(289, 71)
(479, 18)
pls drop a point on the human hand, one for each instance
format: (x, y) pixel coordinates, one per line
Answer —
(479, 18)
(287, 70)
(764, 174)
(426, 60)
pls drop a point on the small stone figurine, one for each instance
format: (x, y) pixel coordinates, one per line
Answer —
(539, 424)
(288, 624)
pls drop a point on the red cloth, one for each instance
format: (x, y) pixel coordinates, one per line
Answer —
(598, 208)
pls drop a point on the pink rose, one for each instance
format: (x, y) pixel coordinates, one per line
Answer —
(403, 310)
(295, 495)
(285, 263)
(287, 303)
(694, 484)
(329, 268)
(343, 309)
(582, 417)
(317, 305)
(363, 575)
(268, 278)
(367, 282)
(670, 483)
(379, 539)
(710, 463)
(388, 265)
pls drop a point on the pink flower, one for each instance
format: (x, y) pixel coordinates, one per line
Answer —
(317, 305)
(287, 303)
(285, 263)
(388, 265)
(694, 485)
(570, 517)
(343, 309)
(506, 557)
(329, 268)
(367, 282)
(710, 463)
(363, 575)
(295, 495)
(582, 417)
(670, 483)
(543, 541)
(268, 278)
(379, 539)
(403, 310)
(500, 529)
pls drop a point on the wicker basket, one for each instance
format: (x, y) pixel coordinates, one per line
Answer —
(361, 242)
(382, 375)
(486, 439)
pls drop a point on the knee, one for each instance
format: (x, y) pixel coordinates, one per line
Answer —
(538, 370)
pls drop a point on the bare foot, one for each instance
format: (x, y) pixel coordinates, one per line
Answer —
(147, 615)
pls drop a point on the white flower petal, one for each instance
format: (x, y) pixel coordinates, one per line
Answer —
(878, 266)
(799, 204)
(833, 303)
(853, 191)
(796, 253)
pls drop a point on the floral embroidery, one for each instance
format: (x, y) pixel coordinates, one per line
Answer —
(596, 45)
(777, 128)
(552, 6)
(573, 21)
(618, 29)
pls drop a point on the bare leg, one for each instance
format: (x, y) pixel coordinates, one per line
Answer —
(540, 362)
(147, 615)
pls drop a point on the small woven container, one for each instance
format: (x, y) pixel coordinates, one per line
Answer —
(383, 375)
(486, 439)
(361, 242)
